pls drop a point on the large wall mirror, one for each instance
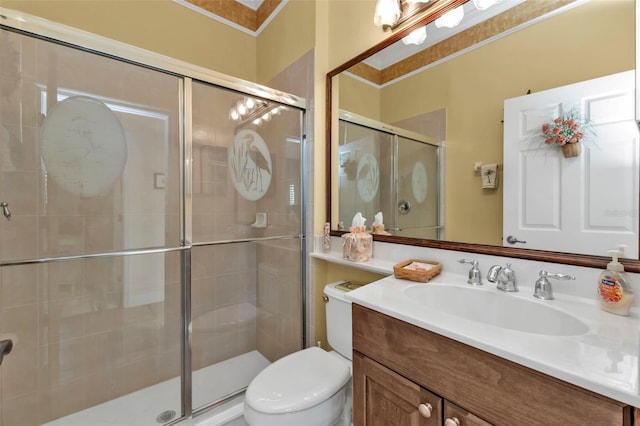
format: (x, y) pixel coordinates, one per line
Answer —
(481, 91)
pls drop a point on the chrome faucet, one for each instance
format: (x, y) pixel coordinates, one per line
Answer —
(475, 277)
(504, 277)
(543, 289)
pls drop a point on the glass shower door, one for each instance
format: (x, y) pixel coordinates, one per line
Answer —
(366, 173)
(417, 212)
(246, 232)
(90, 278)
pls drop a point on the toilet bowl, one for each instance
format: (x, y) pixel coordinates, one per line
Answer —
(306, 388)
(311, 387)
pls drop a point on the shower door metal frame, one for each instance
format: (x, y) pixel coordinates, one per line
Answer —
(53, 32)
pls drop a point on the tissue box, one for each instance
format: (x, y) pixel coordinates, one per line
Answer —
(357, 245)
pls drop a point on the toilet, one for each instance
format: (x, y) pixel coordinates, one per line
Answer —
(311, 387)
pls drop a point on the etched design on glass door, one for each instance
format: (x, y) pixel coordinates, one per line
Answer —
(249, 164)
(368, 177)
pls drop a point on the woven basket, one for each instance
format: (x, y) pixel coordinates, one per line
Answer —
(571, 150)
(421, 276)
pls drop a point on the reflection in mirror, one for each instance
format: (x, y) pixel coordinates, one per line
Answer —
(527, 47)
(388, 170)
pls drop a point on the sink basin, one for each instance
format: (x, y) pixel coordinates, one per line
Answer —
(498, 309)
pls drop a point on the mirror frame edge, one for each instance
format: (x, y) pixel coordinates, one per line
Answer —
(591, 261)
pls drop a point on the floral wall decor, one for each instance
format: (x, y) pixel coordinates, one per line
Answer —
(567, 131)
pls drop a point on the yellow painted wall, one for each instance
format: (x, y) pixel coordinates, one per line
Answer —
(160, 26)
(289, 36)
(351, 29)
(359, 98)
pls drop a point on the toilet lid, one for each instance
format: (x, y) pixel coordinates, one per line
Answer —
(297, 382)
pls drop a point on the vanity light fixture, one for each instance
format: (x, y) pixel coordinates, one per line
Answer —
(255, 111)
(391, 14)
(451, 18)
(484, 4)
(387, 13)
(417, 36)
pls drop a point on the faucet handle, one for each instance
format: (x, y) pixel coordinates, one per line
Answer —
(543, 289)
(557, 276)
(475, 276)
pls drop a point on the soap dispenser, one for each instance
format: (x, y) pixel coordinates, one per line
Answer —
(614, 287)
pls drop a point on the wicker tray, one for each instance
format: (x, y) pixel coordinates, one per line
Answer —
(409, 274)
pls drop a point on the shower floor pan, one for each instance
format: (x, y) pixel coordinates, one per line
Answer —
(142, 408)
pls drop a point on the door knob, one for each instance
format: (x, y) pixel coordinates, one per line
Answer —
(452, 421)
(425, 410)
(513, 240)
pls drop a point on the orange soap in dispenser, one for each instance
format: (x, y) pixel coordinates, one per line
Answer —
(614, 287)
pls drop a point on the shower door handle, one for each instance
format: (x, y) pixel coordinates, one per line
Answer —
(5, 348)
(404, 207)
(5, 210)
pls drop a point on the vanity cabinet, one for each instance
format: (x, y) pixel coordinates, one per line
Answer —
(399, 369)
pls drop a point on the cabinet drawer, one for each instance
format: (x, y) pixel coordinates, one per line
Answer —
(495, 389)
(457, 416)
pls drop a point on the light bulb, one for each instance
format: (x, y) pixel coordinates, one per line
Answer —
(451, 18)
(387, 13)
(417, 36)
(257, 122)
(484, 4)
(233, 114)
(266, 117)
(275, 111)
(250, 103)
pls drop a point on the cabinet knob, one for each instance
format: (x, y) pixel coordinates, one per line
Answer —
(425, 410)
(452, 421)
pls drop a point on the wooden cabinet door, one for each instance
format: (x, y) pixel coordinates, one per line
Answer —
(382, 397)
(457, 416)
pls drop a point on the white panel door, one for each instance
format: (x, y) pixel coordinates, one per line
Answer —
(586, 204)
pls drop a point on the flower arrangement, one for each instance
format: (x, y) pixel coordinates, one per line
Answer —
(569, 129)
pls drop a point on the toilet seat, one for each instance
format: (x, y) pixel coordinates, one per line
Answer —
(297, 382)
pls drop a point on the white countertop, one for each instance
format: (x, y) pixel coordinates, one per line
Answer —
(603, 360)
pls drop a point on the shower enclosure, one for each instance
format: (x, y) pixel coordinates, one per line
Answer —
(151, 240)
(394, 171)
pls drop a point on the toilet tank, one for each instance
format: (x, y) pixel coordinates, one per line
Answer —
(338, 314)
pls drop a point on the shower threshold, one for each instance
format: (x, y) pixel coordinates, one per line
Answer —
(141, 408)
